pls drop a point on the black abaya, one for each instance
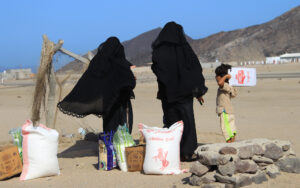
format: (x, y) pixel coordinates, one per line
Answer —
(179, 77)
(105, 88)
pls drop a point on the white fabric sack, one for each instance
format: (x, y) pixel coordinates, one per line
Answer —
(242, 76)
(162, 149)
(40, 145)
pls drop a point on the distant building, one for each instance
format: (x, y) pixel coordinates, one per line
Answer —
(16, 74)
(292, 57)
(284, 58)
(272, 60)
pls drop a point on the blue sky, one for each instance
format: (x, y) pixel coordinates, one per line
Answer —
(83, 25)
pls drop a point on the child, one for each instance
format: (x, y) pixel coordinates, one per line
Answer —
(224, 107)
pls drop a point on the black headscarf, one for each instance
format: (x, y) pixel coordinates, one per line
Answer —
(107, 79)
(176, 66)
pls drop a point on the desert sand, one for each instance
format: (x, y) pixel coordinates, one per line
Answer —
(271, 110)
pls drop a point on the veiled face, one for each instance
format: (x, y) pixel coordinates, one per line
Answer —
(112, 47)
(171, 33)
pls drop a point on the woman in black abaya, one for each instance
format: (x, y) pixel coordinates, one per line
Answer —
(179, 77)
(104, 89)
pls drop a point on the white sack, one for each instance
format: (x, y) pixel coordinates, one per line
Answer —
(40, 145)
(162, 149)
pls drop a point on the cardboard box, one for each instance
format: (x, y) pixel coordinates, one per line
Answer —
(10, 162)
(242, 76)
(135, 157)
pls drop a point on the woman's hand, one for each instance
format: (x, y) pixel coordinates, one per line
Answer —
(201, 100)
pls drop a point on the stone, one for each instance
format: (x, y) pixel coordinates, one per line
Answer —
(212, 158)
(195, 180)
(198, 181)
(285, 147)
(224, 159)
(289, 153)
(243, 181)
(199, 169)
(246, 152)
(291, 165)
(228, 150)
(257, 150)
(272, 171)
(213, 185)
(259, 177)
(260, 159)
(205, 149)
(227, 169)
(246, 166)
(229, 185)
(225, 179)
(262, 164)
(273, 151)
(209, 177)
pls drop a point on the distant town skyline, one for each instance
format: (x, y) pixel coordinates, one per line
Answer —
(83, 25)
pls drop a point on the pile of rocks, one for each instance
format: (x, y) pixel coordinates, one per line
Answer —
(242, 163)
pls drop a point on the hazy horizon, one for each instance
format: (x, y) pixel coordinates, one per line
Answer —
(84, 25)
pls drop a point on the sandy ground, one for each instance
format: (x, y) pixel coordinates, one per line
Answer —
(269, 110)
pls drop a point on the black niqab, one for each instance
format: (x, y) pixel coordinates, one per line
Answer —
(107, 79)
(178, 70)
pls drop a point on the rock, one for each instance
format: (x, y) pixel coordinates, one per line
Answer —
(246, 152)
(291, 165)
(260, 159)
(285, 147)
(228, 150)
(198, 181)
(243, 181)
(257, 150)
(209, 177)
(289, 153)
(246, 166)
(229, 185)
(199, 169)
(213, 185)
(212, 158)
(205, 149)
(225, 179)
(259, 177)
(262, 164)
(273, 151)
(235, 181)
(227, 169)
(195, 180)
(272, 171)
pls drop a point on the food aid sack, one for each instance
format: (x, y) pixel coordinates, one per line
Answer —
(242, 76)
(121, 140)
(40, 145)
(16, 134)
(107, 159)
(162, 149)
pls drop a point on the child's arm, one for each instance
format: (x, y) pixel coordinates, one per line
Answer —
(221, 80)
(226, 87)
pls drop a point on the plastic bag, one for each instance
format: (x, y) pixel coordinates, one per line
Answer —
(122, 139)
(107, 156)
(16, 134)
